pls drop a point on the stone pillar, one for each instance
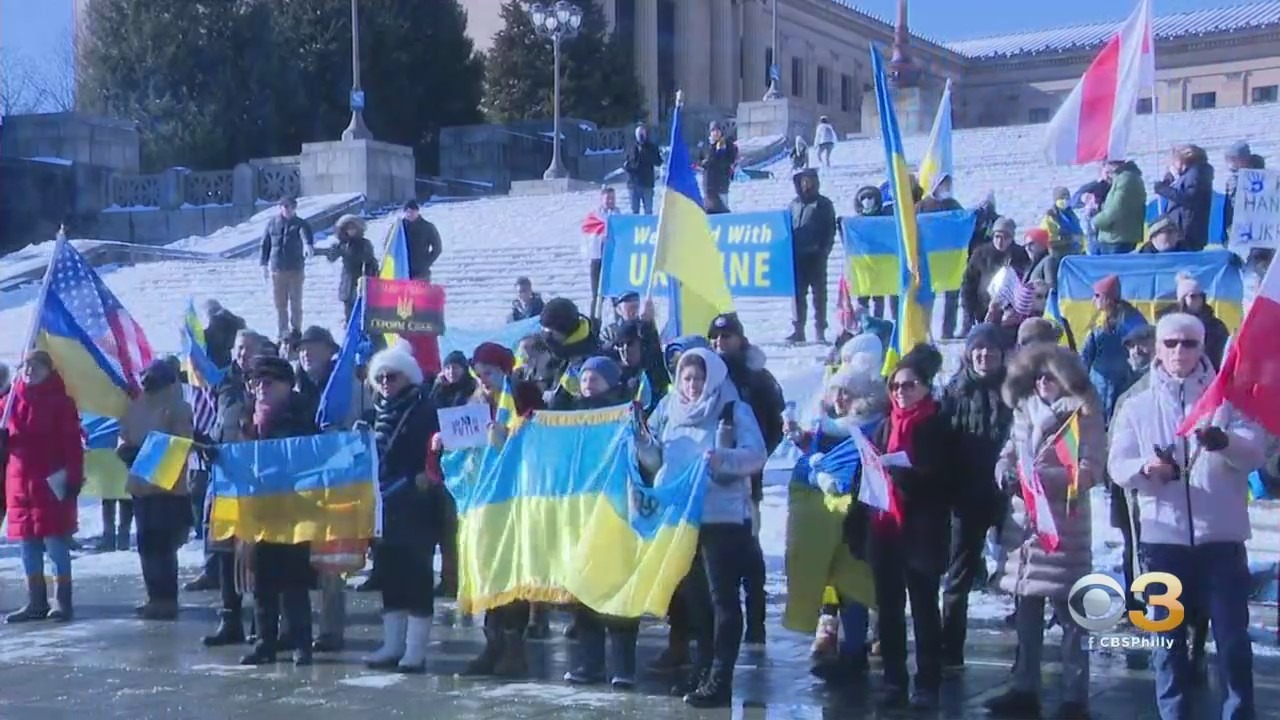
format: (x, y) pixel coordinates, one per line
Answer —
(755, 33)
(646, 42)
(693, 59)
(724, 54)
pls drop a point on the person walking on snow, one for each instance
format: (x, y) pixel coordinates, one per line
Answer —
(718, 161)
(813, 235)
(825, 138)
(287, 243)
(643, 160)
(358, 261)
(423, 241)
(42, 480)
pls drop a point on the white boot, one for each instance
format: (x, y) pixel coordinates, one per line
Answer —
(394, 625)
(418, 638)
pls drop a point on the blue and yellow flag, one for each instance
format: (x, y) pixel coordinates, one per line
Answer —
(937, 163)
(685, 249)
(871, 251)
(201, 370)
(395, 262)
(105, 474)
(316, 488)
(335, 409)
(560, 515)
(912, 327)
(1149, 282)
(161, 460)
(506, 414)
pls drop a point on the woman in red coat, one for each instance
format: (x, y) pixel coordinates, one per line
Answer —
(42, 481)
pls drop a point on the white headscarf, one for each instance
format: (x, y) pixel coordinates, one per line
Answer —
(715, 393)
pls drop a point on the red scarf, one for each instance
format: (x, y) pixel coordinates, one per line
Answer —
(264, 415)
(903, 423)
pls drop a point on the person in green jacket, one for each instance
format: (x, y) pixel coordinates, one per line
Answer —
(1122, 218)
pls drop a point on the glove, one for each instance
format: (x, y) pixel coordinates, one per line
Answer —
(827, 482)
(307, 252)
(1213, 439)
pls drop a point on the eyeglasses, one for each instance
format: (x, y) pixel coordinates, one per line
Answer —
(387, 377)
(1195, 295)
(1046, 377)
(1186, 343)
(904, 385)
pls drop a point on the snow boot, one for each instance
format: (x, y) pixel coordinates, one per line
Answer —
(37, 607)
(62, 611)
(395, 626)
(1015, 705)
(587, 655)
(674, 656)
(230, 630)
(622, 658)
(417, 639)
(483, 665)
(716, 692)
(108, 541)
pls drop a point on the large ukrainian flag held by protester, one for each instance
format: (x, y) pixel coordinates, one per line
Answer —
(916, 290)
(937, 163)
(201, 370)
(685, 249)
(561, 515)
(395, 261)
(315, 488)
(1149, 282)
(97, 347)
(161, 460)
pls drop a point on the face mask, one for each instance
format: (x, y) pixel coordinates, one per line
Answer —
(868, 204)
(1060, 204)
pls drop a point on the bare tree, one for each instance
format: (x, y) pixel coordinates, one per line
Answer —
(27, 86)
(19, 91)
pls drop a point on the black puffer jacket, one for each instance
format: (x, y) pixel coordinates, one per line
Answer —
(983, 265)
(424, 246)
(980, 422)
(402, 428)
(1190, 197)
(520, 311)
(358, 261)
(717, 167)
(813, 219)
(641, 163)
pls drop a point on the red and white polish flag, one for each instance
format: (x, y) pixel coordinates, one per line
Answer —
(1250, 375)
(1093, 123)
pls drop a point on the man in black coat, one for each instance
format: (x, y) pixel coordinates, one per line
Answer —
(220, 333)
(718, 160)
(1188, 186)
(641, 167)
(813, 235)
(759, 389)
(527, 304)
(287, 243)
(985, 261)
(980, 421)
(572, 339)
(423, 240)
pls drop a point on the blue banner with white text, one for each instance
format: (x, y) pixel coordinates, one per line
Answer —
(755, 247)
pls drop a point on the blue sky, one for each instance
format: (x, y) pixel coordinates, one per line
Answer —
(33, 28)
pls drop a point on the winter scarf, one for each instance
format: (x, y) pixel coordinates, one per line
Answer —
(685, 412)
(903, 423)
(978, 410)
(265, 414)
(388, 413)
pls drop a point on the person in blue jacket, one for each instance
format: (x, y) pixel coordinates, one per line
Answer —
(1104, 352)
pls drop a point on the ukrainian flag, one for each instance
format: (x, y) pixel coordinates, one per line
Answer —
(316, 488)
(1149, 282)
(871, 251)
(937, 162)
(916, 289)
(506, 414)
(685, 249)
(161, 460)
(105, 474)
(201, 370)
(560, 515)
(395, 262)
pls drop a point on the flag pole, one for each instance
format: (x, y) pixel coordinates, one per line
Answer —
(34, 327)
(657, 232)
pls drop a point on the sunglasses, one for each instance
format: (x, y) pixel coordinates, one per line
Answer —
(904, 385)
(1046, 377)
(387, 377)
(1186, 343)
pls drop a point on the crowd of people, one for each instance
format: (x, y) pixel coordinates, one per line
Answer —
(1180, 502)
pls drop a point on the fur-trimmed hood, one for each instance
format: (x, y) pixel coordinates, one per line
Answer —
(1030, 362)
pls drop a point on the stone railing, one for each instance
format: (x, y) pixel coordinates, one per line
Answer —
(136, 190)
(247, 184)
(208, 188)
(607, 140)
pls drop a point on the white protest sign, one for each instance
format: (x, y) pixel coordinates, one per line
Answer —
(464, 427)
(1256, 221)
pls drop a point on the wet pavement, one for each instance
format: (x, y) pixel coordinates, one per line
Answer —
(107, 664)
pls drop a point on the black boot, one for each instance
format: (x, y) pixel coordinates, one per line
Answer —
(797, 336)
(1014, 705)
(484, 664)
(691, 681)
(539, 622)
(716, 692)
(230, 630)
(126, 525)
(622, 658)
(62, 611)
(673, 657)
(268, 619)
(108, 541)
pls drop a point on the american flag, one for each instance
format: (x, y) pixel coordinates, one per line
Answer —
(120, 347)
(1011, 291)
(204, 409)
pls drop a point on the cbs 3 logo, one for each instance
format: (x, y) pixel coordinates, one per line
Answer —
(1097, 602)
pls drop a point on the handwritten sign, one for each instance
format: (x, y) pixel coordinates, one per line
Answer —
(464, 427)
(1256, 223)
(755, 249)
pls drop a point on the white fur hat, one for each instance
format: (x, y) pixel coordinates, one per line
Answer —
(863, 354)
(395, 359)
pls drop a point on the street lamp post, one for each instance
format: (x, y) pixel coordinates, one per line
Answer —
(775, 71)
(356, 130)
(558, 22)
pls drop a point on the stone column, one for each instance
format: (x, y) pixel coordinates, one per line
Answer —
(693, 53)
(646, 43)
(724, 54)
(755, 35)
